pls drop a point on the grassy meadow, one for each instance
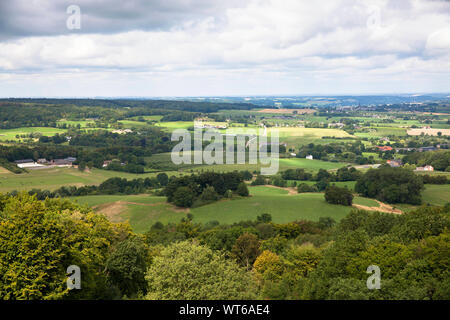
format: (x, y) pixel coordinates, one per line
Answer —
(54, 178)
(10, 134)
(142, 211)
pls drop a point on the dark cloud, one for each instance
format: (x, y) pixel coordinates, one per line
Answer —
(22, 18)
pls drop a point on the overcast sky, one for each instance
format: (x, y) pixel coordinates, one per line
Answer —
(227, 47)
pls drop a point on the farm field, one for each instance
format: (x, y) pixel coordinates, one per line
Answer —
(290, 163)
(433, 194)
(310, 165)
(170, 126)
(54, 178)
(285, 132)
(375, 155)
(82, 123)
(277, 202)
(287, 111)
(430, 132)
(436, 194)
(10, 134)
(349, 184)
(142, 211)
(146, 118)
(128, 124)
(164, 160)
(378, 132)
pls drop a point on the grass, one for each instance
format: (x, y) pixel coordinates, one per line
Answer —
(170, 126)
(283, 207)
(147, 118)
(310, 165)
(291, 163)
(286, 132)
(92, 201)
(82, 123)
(349, 184)
(375, 155)
(142, 211)
(10, 134)
(433, 194)
(365, 202)
(129, 124)
(436, 194)
(382, 132)
(54, 178)
(163, 160)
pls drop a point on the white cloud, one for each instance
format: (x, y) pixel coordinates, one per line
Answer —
(266, 47)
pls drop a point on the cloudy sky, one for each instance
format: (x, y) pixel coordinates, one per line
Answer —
(233, 47)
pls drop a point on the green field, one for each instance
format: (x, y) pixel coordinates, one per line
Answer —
(297, 132)
(433, 194)
(365, 202)
(436, 194)
(54, 178)
(277, 202)
(378, 132)
(291, 163)
(164, 160)
(142, 211)
(128, 124)
(10, 134)
(82, 123)
(310, 165)
(349, 184)
(170, 126)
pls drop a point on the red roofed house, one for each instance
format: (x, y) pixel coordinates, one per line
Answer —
(384, 148)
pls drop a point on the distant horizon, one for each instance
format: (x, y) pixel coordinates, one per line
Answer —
(411, 94)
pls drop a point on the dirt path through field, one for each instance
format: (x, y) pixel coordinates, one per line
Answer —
(382, 208)
(291, 190)
(114, 210)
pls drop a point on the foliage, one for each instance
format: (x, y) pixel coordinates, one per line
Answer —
(126, 266)
(246, 249)
(242, 189)
(336, 195)
(190, 271)
(39, 240)
(391, 185)
(183, 191)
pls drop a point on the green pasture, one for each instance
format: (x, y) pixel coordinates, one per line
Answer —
(142, 211)
(54, 178)
(170, 126)
(10, 134)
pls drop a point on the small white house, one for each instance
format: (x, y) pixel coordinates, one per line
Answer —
(309, 157)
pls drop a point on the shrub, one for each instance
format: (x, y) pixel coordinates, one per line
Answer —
(336, 195)
(183, 197)
(242, 190)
